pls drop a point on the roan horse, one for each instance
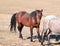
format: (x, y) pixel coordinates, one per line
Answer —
(31, 20)
(51, 24)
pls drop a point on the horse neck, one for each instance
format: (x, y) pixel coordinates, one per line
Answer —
(37, 17)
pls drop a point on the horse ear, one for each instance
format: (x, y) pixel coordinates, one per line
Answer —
(41, 10)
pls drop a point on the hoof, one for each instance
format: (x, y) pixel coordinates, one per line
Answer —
(20, 37)
(32, 41)
(57, 39)
(41, 43)
(39, 40)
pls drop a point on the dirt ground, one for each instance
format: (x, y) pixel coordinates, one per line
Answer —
(8, 7)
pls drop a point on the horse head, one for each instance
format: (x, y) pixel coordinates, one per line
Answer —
(38, 15)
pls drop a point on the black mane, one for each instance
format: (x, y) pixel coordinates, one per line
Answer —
(34, 13)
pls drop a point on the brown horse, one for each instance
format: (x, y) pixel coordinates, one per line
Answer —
(31, 20)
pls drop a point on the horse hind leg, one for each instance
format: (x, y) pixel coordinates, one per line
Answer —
(20, 31)
(31, 32)
(57, 39)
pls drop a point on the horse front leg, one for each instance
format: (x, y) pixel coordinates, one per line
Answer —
(49, 34)
(31, 32)
(38, 33)
(49, 39)
(42, 41)
(43, 34)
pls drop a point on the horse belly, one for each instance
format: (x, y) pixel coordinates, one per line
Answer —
(55, 27)
(26, 22)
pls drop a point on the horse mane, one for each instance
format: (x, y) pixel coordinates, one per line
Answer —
(33, 14)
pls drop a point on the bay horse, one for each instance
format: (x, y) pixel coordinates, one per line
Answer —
(31, 20)
(51, 24)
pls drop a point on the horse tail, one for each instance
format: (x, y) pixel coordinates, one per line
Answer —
(13, 22)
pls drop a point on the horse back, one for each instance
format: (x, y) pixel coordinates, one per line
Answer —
(23, 17)
(55, 26)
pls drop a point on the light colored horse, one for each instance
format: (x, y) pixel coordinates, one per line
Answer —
(46, 21)
(51, 23)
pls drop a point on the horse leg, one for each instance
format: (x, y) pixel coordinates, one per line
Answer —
(39, 38)
(31, 32)
(49, 37)
(42, 39)
(20, 30)
(57, 38)
(43, 36)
